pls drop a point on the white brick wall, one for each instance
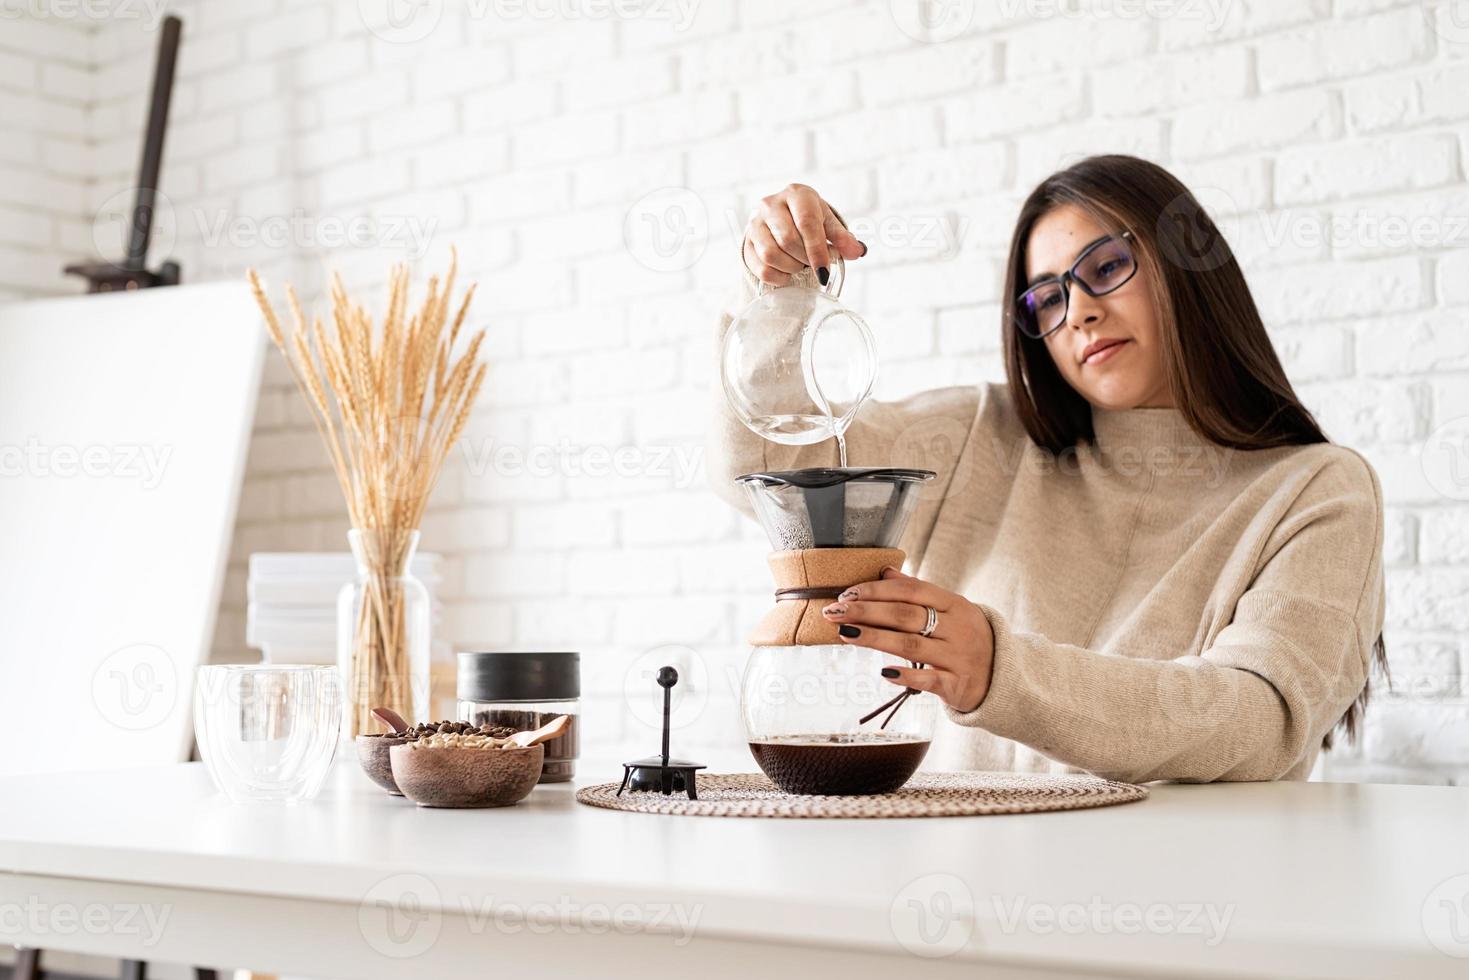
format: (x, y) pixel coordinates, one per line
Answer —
(46, 89)
(1329, 136)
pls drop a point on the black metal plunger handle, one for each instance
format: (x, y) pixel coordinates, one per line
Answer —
(667, 677)
(671, 774)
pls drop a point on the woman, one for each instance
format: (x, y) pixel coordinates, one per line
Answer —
(1146, 560)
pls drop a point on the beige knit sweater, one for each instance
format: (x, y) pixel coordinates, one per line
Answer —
(1163, 607)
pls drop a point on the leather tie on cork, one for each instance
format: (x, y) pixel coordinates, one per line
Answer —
(820, 593)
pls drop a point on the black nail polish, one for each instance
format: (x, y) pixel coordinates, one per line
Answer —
(823, 275)
(864, 246)
(890, 672)
(850, 632)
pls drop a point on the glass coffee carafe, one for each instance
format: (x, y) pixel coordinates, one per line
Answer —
(818, 715)
(797, 364)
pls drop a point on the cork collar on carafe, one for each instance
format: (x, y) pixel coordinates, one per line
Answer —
(808, 579)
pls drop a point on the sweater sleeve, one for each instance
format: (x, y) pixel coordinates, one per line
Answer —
(1251, 706)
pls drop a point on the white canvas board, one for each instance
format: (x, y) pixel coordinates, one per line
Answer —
(124, 426)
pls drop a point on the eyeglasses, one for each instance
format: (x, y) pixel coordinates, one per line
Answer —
(1102, 267)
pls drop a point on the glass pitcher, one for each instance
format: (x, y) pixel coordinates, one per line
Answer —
(797, 364)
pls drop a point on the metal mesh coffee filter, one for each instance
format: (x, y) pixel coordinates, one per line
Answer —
(834, 507)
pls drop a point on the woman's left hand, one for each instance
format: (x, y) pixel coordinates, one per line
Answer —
(890, 614)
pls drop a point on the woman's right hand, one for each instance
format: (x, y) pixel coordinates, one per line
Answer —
(794, 228)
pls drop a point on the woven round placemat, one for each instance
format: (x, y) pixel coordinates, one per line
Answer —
(934, 794)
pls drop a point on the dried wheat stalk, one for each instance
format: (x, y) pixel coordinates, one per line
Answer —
(389, 404)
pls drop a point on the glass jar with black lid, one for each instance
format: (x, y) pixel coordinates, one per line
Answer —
(524, 689)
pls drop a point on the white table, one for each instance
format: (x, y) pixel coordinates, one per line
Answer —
(1315, 879)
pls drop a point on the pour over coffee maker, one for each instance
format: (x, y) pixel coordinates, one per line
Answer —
(818, 715)
(820, 719)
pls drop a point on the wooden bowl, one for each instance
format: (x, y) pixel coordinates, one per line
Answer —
(372, 756)
(464, 777)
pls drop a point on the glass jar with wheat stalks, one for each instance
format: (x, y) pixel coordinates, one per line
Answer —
(390, 402)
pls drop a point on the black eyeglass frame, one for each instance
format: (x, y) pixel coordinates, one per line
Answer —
(1066, 279)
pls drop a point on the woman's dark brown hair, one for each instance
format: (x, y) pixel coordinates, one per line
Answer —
(1222, 370)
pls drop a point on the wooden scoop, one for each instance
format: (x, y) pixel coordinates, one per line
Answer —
(554, 728)
(392, 719)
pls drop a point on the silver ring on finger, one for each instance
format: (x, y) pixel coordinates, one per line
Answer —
(932, 624)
